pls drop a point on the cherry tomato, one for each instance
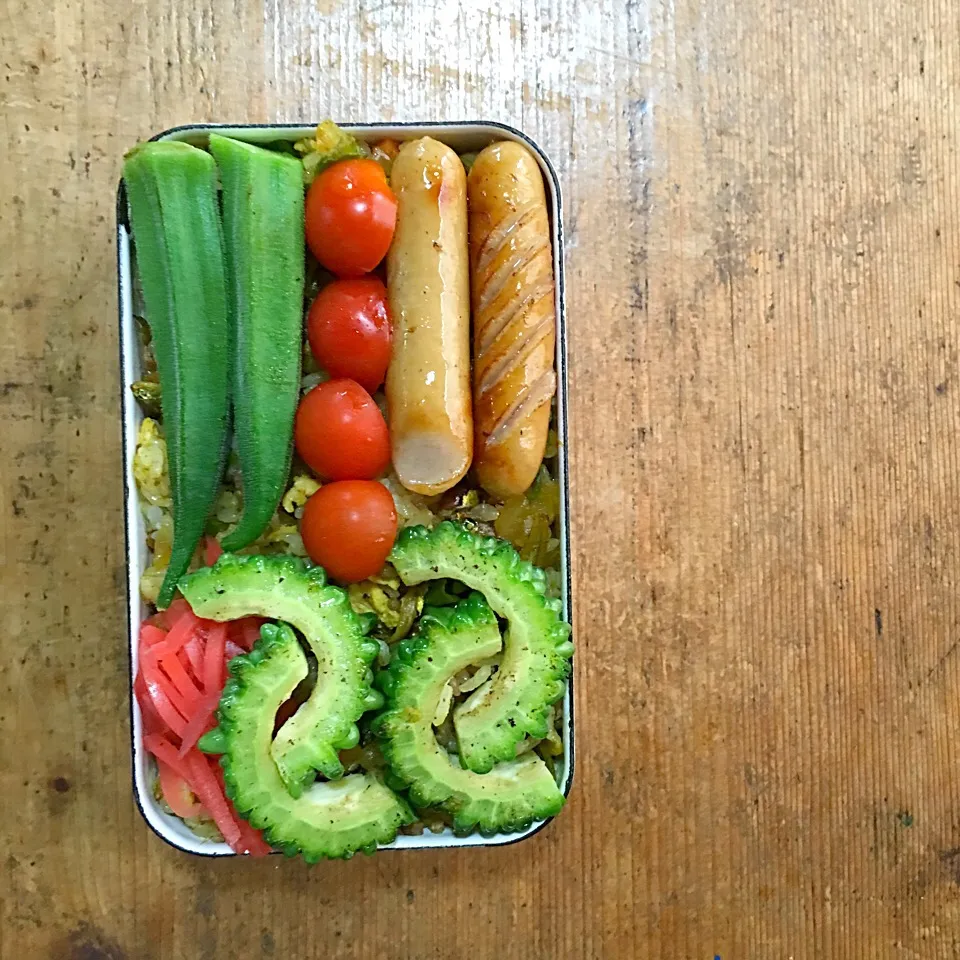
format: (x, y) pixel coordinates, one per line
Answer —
(350, 216)
(349, 330)
(349, 527)
(340, 432)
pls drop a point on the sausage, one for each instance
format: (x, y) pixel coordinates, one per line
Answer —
(514, 324)
(428, 285)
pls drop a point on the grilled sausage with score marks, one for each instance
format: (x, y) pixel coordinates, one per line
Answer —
(514, 328)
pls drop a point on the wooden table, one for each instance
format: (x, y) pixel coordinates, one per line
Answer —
(763, 291)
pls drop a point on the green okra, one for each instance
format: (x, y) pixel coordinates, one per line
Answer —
(264, 250)
(172, 198)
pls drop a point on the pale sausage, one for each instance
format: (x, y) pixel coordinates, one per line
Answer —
(428, 283)
(514, 328)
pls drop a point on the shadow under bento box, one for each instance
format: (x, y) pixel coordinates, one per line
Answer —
(463, 137)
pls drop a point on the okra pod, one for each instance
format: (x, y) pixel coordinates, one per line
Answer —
(172, 198)
(264, 251)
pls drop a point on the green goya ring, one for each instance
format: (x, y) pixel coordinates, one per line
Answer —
(509, 797)
(516, 702)
(283, 588)
(328, 819)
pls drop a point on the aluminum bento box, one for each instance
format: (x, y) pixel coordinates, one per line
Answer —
(464, 137)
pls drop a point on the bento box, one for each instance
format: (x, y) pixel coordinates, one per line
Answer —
(462, 137)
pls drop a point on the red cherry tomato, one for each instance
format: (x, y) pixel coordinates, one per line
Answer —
(349, 528)
(350, 216)
(340, 432)
(349, 330)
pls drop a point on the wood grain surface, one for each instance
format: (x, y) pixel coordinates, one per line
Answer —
(763, 292)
